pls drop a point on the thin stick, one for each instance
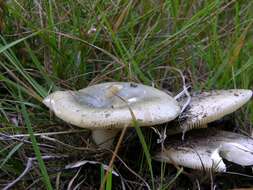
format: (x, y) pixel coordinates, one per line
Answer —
(133, 172)
(113, 158)
(185, 88)
(50, 133)
(26, 170)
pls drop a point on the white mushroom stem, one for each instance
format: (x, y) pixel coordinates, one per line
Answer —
(237, 153)
(104, 137)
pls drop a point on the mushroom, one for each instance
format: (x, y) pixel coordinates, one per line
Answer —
(104, 108)
(206, 107)
(206, 149)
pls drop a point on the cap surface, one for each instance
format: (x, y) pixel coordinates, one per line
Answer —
(206, 149)
(106, 105)
(206, 107)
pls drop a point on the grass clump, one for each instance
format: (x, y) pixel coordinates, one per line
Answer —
(50, 45)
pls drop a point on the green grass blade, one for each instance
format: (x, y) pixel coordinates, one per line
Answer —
(102, 174)
(36, 148)
(38, 65)
(109, 181)
(174, 179)
(144, 145)
(3, 48)
(15, 149)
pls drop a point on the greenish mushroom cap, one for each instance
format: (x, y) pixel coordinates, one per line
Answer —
(107, 105)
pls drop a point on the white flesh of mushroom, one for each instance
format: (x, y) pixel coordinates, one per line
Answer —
(205, 148)
(105, 106)
(189, 157)
(104, 137)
